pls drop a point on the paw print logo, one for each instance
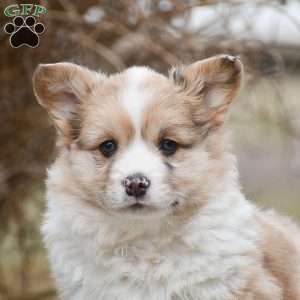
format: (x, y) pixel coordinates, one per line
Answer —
(24, 32)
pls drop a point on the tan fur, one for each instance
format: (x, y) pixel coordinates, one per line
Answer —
(281, 253)
(68, 83)
(261, 286)
(207, 79)
(277, 273)
(105, 119)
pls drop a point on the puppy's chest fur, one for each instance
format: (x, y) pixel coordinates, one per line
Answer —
(205, 259)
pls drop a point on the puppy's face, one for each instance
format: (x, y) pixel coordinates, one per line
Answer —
(139, 143)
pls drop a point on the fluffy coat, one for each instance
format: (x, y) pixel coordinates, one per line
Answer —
(196, 237)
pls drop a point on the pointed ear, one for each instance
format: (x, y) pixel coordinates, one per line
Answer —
(210, 86)
(61, 89)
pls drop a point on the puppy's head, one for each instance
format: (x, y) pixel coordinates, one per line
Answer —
(139, 143)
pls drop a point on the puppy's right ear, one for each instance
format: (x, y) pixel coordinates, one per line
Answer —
(62, 89)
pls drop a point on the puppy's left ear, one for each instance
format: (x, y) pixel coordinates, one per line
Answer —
(210, 86)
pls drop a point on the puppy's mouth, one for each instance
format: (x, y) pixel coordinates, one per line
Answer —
(139, 207)
(144, 206)
(136, 206)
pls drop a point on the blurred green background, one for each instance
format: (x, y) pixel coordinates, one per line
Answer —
(111, 35)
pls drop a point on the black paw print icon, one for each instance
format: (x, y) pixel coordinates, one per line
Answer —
(24, 32)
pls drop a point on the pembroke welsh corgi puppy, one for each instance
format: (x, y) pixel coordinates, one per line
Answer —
(143, 199)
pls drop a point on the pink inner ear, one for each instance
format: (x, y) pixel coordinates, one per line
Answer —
(215, 97)
(66, 105)
(71, 96)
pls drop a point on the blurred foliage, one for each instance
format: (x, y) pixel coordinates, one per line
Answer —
(110, 35)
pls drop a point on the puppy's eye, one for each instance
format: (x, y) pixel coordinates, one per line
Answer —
(108, 148)
(168, 147)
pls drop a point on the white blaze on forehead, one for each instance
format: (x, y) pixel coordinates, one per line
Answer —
(138, 156)
(133, 96)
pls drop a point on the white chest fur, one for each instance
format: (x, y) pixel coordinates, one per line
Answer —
(207, 258)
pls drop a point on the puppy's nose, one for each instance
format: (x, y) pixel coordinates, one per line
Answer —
(136, 185)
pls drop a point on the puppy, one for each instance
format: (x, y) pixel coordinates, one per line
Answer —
(143, 199)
